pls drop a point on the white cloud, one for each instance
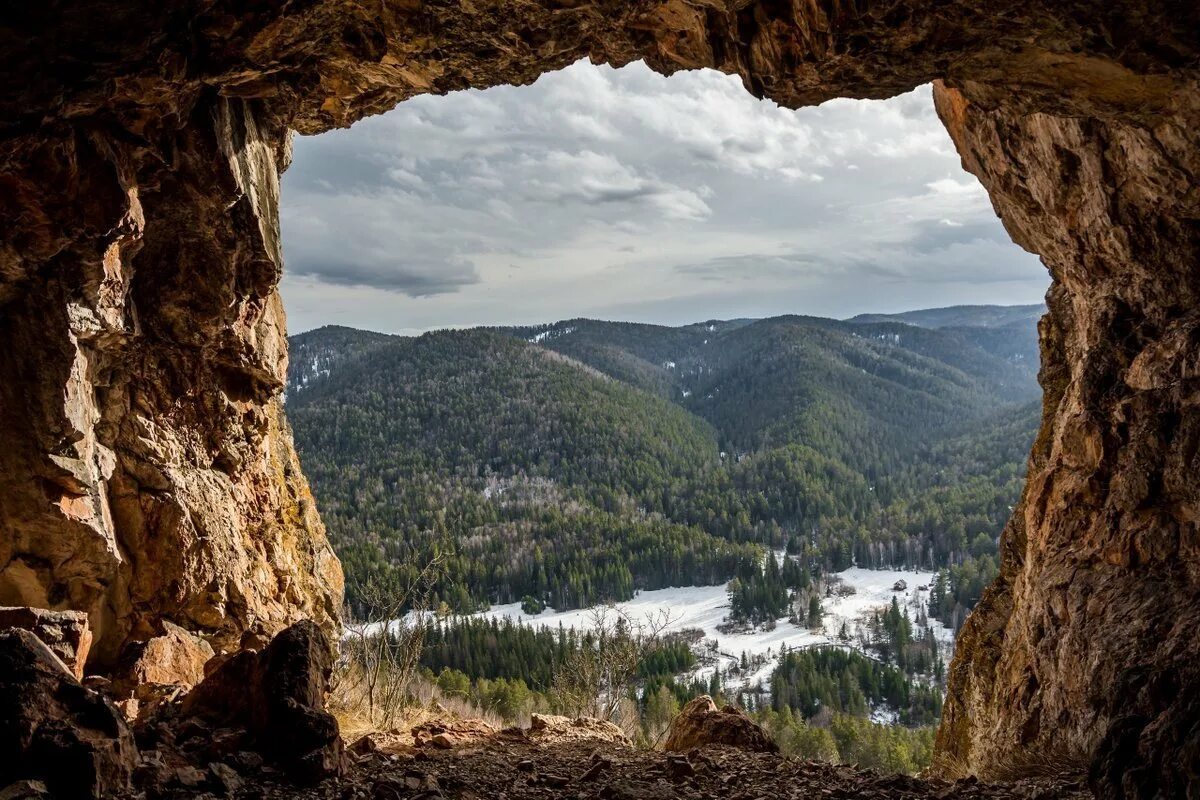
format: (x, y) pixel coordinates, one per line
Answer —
(623, 193)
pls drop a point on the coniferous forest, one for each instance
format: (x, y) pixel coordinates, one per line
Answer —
(576, 463)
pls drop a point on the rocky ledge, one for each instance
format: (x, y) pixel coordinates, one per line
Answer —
(514, 765)
(255, 727)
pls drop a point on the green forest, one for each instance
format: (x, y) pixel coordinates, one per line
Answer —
(578, 463)
(818, 703)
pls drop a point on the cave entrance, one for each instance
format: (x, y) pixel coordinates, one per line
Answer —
(724, 231)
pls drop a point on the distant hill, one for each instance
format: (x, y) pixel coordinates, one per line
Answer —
(579, 461)
(960, 316)
(313, 355)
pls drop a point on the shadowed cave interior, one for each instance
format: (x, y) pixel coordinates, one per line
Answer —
(148, 478)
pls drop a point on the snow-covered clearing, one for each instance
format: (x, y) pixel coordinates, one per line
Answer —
(705, 607)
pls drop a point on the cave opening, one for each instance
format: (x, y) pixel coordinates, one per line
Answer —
(141, 255)
(712, 222)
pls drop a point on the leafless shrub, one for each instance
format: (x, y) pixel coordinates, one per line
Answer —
(382, 650)
(597, 679)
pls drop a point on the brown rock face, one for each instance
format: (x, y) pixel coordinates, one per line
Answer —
(66, 633)
(54, 730)
(701, 723)
(147, 472)
(1091, 625)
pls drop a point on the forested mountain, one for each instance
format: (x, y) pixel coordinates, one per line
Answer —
(577, 462)
(961, 316)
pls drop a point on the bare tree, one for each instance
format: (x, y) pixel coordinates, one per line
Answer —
(601, 673)
(382, 649)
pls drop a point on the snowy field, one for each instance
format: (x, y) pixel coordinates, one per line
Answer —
(705, 607)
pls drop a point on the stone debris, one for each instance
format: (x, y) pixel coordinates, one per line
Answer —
(700, 723)
(55, 730)
(553, 729)
(520, 768)
(450, 733)
(274, 701)
(66, 633)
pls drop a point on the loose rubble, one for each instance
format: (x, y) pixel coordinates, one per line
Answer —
(514, 765)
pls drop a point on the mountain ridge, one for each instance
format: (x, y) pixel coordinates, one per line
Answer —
(579, 461)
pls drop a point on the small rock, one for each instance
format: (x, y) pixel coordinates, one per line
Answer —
(679, 767)
(526, 766)
(225, 777)
(363, 746)
(416, 779)
(247, 761)
(25, 790)
(599, 766)
(66, 633)
(188, 777)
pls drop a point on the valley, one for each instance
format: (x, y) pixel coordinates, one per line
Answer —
(844, 621)
(751, 489)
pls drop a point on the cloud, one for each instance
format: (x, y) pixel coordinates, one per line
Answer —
(752, 267)
(600, 191)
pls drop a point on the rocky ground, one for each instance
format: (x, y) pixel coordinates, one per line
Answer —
(511, 766)
(255, 727)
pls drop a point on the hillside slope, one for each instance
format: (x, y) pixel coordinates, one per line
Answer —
(577, 462)
(535, 470)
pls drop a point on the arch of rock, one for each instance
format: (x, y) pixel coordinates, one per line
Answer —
(147, 472)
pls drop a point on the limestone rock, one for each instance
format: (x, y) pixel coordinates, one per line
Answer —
(66, 633)
(447, 734)
(700, 723)
(55, 730)
(277, 697)
(553, 729)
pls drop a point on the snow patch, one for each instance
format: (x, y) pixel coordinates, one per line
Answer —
(705, 607)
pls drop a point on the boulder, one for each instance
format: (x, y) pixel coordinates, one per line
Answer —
(700, 723)
(55, 730)
(177, 658)
(553, 729)
(66, 633)
(158, 671)
(277, 697)
(447, 734)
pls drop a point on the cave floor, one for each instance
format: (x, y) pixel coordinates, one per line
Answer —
(510, 769)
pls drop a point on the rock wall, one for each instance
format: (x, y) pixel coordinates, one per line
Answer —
(148, 473)
(1091, 624)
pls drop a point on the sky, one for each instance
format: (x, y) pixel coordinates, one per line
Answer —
(622, 194)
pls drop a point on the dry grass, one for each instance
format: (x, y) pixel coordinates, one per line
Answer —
(424, 702)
